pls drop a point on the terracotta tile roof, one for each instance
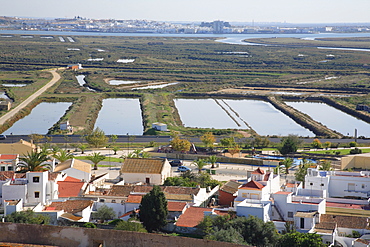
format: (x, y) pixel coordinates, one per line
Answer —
(254, 185)
(266, 177)
(283, 193)
(53, 175)
(169, 191)
(194, 215)
(326, 225)
(69, 188)
(71, 179)
(258, 171)
(230, 187)
(8, 156)
(121, 190)
(176, 206)
(290, 185)
(71, 217)
(134, 198)
(72, 206)
(73, 163)
(5, 175)
(353, 222)
(138, 165)
(344, 205)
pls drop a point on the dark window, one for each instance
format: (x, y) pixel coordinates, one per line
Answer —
(311, 183)
(2, 168)
(113, 201)
(10, 168)
(37, 194)
(36, 179)
(322, 184)
(147, 180)
(302, 223)
(290, 214)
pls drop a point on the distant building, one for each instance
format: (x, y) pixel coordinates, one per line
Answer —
(65, 126)
(74, 66)
(5, 105)
(159, 126)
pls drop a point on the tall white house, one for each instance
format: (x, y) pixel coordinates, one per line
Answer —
(339, 183)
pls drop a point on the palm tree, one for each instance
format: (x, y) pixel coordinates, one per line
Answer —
(63, 155)
(82, 147)
(115, 149)
(95, 158)
(55, 150)
(212, 159)
(33, 162)
(200, 163)
(287, 162)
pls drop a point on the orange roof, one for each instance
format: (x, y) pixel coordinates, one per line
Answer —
(71, 206)
(176, 206)
(134, 198)
(8, 156)
(71, 179)
(69, 188)
(5, 175)
(254, 185)
(290, 185)
(194, 215)
(258, 171)
(283, 193)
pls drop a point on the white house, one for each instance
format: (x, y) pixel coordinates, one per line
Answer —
(148, 171)
(71, 210)
(339, 183)
(76, 169)
(159, 126)
(8, 162)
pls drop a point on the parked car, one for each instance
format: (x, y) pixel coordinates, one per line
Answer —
(2, 137)
(176, 163)
(183, 169)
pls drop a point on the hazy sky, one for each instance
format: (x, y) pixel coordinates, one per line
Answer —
(291, 11)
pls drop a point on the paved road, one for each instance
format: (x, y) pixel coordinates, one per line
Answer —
(14, 111)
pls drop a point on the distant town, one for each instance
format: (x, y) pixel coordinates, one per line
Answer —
(82, 24)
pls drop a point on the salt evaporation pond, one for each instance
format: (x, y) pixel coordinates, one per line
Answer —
(260, 115)
(120, 116)
(120, 82)
(155, 86)
(41, 118)
(333, 118)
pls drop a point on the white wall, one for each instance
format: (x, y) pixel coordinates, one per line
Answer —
(14, 192)
(75, 173)
(260, 210)
(155, 179)
(39, 186)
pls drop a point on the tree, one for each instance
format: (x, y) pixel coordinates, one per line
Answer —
(287, 162)
(32, 162)
(212, 159)
(208, 139)
(295, 238)
(327, 144)
(35, 138)
(82, 147)
(95, 158)
(180, 144)
(115, 149)
(104, 213)
(325, 165)
(316, 143)
(228, 235)
(234, 150)
(54, 150)
(200, 163)
(302, 170)
(289, 144)
(228, 142)
(63, 155)
(113, 138)
(97, 138)
(131, 226)
(260, 142)
(153, 210)
(27, 217)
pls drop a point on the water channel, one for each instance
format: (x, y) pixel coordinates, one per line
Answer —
(120, 116)
(41, 118)
(333, 118)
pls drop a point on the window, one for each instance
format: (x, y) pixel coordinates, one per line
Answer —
(311, 183)
(102, 200)
(363, 186)
(290, 214)
(147, 180)
(36, 179)
(244, 194)
(113, 201)
(302, 223)
(321, 184)
(2, 168)
(37, 194)
(10, 168)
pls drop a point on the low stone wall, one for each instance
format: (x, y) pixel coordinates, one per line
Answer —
(81, 237)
